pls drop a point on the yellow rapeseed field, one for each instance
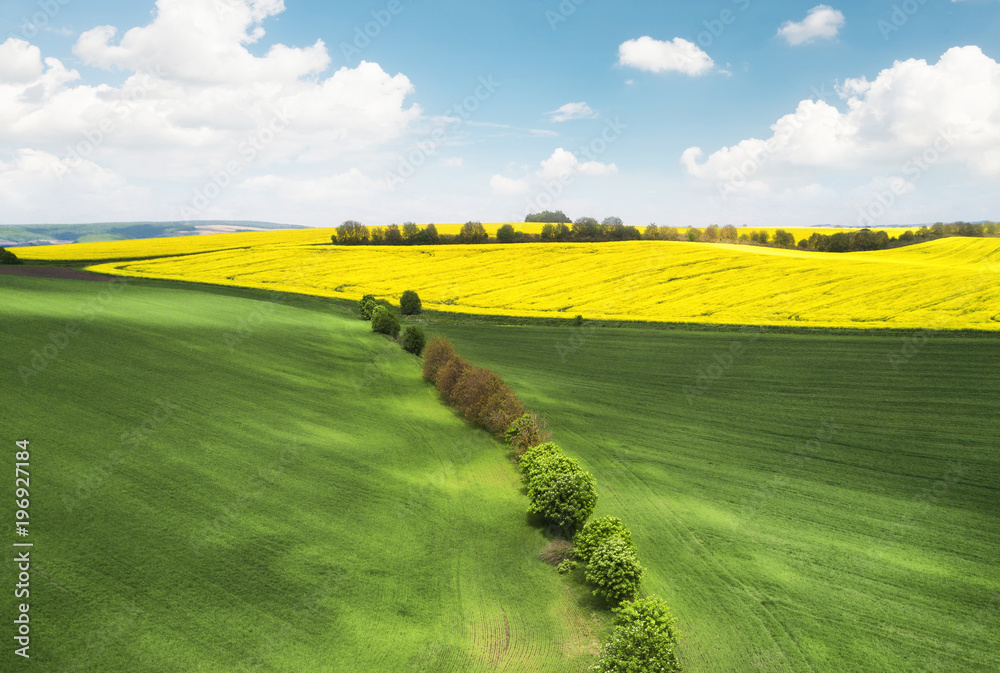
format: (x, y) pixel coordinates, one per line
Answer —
(949, 283)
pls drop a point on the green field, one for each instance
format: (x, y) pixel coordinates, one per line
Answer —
(220, 483)
(871, 548)
(226, 480)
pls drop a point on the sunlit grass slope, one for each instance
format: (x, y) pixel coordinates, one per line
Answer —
(949, 283)
(220, 483)
(803, 503)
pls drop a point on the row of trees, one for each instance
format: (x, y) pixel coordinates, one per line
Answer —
(384, 320)
(7, 257)
(563, 495)
(588, 229)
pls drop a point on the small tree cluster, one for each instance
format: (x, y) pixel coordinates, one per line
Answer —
(548, 216)
(366, 305)
(559, 490)
(409, 303)
(413, 340)
(384, 322)
(7, 257)
(527, 431)
(605, 546)
(644, 639)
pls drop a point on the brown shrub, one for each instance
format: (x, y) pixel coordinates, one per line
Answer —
(526, 431)
(448, 376)
(557, 551)
(436, 354)
(503, 409)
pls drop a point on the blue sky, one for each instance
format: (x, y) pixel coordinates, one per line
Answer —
(262, 109)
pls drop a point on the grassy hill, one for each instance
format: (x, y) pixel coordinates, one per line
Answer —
(225, 483)
(43, 234)
(804, 503)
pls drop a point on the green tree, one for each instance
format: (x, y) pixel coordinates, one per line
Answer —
(597, 532)
(561, 492)
(506, 234)
(409, 303)
(713, 233)
(7, 257)
(547, 216)
(530, 460)
(693, 234)
(413, 340)
(784, 238)
(431, 234)
(352, 233)
(614, 570)
(644, 640)
(472, 232)
(410, 232)
(728, 234)
(651, 232)
(377, 235)
(384, 322)
(586, 228)
(366, 305)
(393, 236)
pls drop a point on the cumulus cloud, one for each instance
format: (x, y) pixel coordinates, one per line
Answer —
(564, 163)
(677, 55)
(195, 98)
(571, 111)
(910, 116)
(509, 186)
(822, 22)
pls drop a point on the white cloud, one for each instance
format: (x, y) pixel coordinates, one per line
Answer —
(563, 163)
(910, 118)
(822, 22)
(20, 61)
(508, 186)
(194, 99)
(677, 55)
(571, 111)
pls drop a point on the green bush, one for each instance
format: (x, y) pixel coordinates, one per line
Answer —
(366, 305)
(644, 639)
(562, 493)
(413, 340)
(409, 303)
(614, 570)
(384, 322)
(506, 234)
(530, 459)
(598, 531)
(7, 257)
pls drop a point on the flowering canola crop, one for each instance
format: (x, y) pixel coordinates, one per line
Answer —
(951, 283)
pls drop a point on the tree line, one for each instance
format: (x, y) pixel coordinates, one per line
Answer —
(563, 495)
(588, 229)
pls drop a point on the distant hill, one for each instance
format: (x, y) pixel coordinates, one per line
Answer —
(51, 234)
